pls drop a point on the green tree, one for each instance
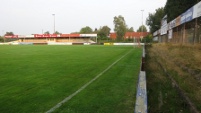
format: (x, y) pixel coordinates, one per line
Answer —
(1, 39)
(9, 39)
(47, 33)
(154, 19)
(174, 8)
(120, 27)
(95, 30)
(74, 32)
(147, 39)
(56, 32)
(103, 32)
(142, 28)
(130, 29)
(86, 29)
(9, 33)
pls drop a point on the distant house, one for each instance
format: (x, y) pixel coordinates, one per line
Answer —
(130, 35)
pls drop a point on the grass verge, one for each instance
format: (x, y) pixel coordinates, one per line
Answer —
(159, 86)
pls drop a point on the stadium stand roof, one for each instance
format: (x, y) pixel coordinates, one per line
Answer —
(52, 36)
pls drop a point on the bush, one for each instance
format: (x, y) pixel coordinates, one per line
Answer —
(147, 39)
(1, 39)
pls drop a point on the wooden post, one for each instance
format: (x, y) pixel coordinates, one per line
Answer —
(177, 35)
(195, 31)
(184, 34)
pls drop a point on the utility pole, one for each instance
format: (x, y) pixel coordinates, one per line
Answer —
(142, 19)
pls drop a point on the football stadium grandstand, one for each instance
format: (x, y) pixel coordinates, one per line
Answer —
(67, 39)
(54, 39)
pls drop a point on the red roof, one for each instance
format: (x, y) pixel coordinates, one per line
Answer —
(130, 35)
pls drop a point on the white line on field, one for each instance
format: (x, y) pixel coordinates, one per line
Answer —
(84, 86)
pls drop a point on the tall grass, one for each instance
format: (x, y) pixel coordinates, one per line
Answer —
(183, 64)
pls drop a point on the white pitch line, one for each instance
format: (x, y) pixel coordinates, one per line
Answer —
(84, 86)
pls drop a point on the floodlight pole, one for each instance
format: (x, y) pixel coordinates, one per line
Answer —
(54, 22)
(142, 25)
(3, 36)
(142, 19)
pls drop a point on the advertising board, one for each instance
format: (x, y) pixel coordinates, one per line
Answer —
(189, 14)
(21, 36)
(29, 36)
(183, 18)
(88, 35)
(155, 33)
(164, 26)
(172, 24)
(45, 35)
(170, 34)
(11, 36)
(178, 20)
(197, 10)
(70, 35)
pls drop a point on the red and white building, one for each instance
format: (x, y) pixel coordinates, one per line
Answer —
(55, 38)
(69, 39)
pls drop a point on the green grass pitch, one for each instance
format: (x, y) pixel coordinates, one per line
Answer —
(33, 79)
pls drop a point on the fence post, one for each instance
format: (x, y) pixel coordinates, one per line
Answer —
(195, 31)
(184, 33)
(177, 35)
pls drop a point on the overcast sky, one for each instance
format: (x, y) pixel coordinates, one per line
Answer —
(25, 17)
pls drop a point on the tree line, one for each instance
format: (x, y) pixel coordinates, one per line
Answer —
(120, 28)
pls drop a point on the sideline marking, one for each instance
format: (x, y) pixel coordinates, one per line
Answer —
(84, 86)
